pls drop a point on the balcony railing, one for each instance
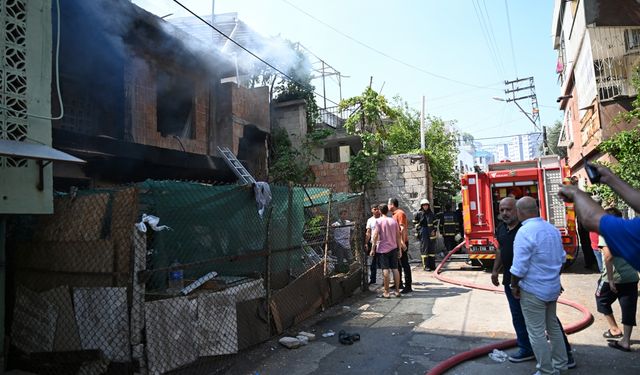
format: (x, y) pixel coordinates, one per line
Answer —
(334, 116)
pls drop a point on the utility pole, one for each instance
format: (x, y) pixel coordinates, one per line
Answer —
(422, 130)
(521, 89)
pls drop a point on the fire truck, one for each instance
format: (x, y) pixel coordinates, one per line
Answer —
(482, 191)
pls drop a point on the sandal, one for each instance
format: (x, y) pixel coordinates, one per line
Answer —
(616, 345)
(383, 296)
(608, 335)
(355, 337)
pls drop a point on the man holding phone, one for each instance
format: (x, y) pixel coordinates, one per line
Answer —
(622, 235)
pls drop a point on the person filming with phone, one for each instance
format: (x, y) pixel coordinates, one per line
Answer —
(621, 235)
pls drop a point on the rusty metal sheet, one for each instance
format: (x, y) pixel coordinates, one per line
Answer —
(91, 256)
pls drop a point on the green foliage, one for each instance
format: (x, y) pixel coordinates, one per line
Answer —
(553, 136)
(441, 147)
(287, 163)
(395, 129)
(369, 121)
(625, 147)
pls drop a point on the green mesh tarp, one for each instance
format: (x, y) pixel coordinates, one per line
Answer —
(317, 196)
(213, 222)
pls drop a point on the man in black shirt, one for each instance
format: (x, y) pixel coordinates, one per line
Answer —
(506, 235)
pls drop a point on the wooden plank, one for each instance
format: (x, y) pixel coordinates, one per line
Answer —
(170, 330)
(66, 336)
(124, 215)
(91, 256)
(216, 327)
(76, 219)
(297, 297)
(276, 316)
(34, 322)
(102, 317)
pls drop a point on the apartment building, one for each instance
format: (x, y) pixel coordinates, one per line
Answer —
(598, 45)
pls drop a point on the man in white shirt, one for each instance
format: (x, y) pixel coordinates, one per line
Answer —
(371, 226)
(342, 238)
(538, 257)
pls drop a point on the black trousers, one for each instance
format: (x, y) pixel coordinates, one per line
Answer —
(449, 242)
(404, 266)
(586, 246)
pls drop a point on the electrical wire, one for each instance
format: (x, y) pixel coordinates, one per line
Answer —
(492, 35)
(57, 64)
(387, 55)
(246, 49)
(513, 53)
(488, 41)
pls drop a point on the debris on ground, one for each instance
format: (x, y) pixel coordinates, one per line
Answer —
(290, 342)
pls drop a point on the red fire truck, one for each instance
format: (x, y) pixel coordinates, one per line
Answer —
(482, 192)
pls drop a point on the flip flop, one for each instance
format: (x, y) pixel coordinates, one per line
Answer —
(616, 345)
(355, 337)
(383, 296)
(608, 335)
(345, 338)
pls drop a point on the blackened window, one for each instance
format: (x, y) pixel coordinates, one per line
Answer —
(175, 105)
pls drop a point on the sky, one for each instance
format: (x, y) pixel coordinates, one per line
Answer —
(455, 53)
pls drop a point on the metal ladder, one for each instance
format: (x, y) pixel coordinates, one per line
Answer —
(243, 175)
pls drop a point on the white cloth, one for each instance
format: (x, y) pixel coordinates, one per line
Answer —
(153, 223)
(263, 196)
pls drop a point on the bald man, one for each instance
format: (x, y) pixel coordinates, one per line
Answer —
(538, 257)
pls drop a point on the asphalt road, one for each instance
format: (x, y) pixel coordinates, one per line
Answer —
(412, 334)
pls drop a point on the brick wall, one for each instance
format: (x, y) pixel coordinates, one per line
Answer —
(143, 112)
(332, 174)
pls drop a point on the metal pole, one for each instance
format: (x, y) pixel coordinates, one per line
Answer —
(326, 236)
(324, 89)
(422, 130)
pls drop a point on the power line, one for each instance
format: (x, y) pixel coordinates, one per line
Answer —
(506, 136)
(491, 47)
(492, 35)
(386, 55)
(513, 54)
(245, 49)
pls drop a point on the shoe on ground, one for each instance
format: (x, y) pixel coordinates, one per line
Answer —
(571, 363)
(521, 357)
(406, 290)
(371, 282)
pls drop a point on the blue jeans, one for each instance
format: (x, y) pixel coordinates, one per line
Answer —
(598, 255)
(522, 337)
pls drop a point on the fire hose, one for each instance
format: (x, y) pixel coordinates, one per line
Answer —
(455, 360)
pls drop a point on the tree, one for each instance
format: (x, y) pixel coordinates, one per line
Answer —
(553, 136)
(398, 132)
(370, 121)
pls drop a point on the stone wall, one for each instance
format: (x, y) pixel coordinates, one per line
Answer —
(404, 177)
(292, 117)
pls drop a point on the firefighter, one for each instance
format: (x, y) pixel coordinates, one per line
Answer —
(424, 223)
(448, 225)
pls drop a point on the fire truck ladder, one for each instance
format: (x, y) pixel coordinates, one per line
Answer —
(243, 175)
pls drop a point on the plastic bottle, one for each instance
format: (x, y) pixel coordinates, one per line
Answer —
(176, 278)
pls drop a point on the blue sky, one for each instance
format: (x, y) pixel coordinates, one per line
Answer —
(464, 40)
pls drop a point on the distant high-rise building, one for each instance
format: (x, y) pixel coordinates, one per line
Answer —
(501, 152)
(525, 147)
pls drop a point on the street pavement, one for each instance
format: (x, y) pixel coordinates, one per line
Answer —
(412, 334)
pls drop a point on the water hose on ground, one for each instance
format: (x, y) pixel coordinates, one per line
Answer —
(451, 362)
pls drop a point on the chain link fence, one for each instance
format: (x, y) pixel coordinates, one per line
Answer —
(173, 277)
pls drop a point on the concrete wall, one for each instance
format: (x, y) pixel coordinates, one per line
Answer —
(292, 117)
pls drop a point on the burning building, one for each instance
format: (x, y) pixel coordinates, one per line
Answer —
(142, 99)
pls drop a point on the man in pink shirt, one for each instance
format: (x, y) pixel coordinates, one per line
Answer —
(387, 242)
